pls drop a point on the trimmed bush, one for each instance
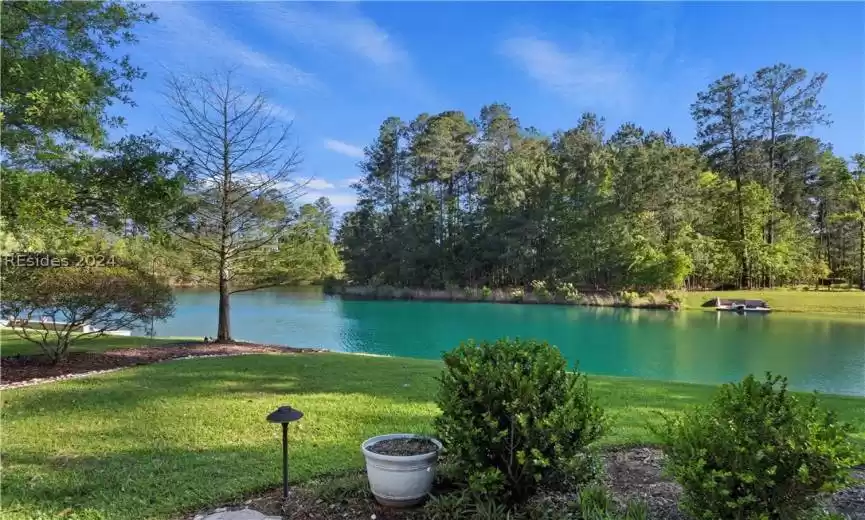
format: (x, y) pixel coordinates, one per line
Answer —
(756, 452)
(513, 418)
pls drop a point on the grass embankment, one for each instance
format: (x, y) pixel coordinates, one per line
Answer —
(851, 302)
(12, 345)
(156, 441)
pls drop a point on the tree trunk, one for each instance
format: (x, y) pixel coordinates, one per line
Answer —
(772, 143)
(744, 280)
(223, 334)
(223, 329)
(862, 252)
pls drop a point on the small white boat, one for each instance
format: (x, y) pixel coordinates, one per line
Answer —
(741, 306)
(47, 324)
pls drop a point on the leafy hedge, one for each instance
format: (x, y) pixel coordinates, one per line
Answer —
(756, 452)
(513, 418)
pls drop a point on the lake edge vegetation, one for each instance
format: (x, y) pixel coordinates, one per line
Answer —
(801, 300)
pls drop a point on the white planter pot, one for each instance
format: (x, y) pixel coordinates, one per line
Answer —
(400, 481)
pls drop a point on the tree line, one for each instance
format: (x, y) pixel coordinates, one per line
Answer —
(445, 200)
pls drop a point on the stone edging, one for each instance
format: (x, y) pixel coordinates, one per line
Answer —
(78, 375)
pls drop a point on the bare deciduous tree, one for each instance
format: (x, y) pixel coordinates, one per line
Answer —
(243, 163)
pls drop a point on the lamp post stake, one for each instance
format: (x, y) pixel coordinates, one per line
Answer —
(285, 461)
(284, 415)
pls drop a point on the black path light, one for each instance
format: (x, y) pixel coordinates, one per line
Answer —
(284, 415)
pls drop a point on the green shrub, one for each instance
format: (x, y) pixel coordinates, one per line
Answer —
(513, 418)
(568, 293)
(486, 292)
(674, 298)
(517, 295)
(629, 297)
(461, 505)
(491, 510)
(756, 452)
(826, 515)
(636, 510)
(452, 506)
(539, 289)
(108, 298)
(596, 503)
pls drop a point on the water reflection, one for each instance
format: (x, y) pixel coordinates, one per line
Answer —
(693, 346)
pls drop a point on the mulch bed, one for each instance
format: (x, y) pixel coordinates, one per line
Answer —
(304, 504)
(21, 370)
(636, 474)
(632, 473)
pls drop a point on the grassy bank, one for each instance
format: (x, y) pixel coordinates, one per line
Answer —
(12, 345)
(839, 302)
(791, 300)
(155, 441)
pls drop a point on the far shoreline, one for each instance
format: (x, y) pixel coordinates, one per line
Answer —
(844, 304)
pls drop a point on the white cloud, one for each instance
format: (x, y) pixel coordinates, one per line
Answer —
(309, 190)
(319, 184)
(340, 27)
(186, 39)
(276, 110)
(589, 74)
(340, 147)
(347, 182)
(342, 201)
(281, 112)
(359, 42)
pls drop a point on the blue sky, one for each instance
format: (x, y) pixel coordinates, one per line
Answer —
(339, 69)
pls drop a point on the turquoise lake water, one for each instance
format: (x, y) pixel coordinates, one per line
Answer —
(695, 346)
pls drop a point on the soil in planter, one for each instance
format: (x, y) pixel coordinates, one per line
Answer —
(403, 447)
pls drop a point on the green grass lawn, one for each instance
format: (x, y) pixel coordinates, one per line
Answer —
(849, 302)
(12, 345)
(160, 440)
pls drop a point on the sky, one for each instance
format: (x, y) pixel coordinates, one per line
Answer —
(337, 70)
